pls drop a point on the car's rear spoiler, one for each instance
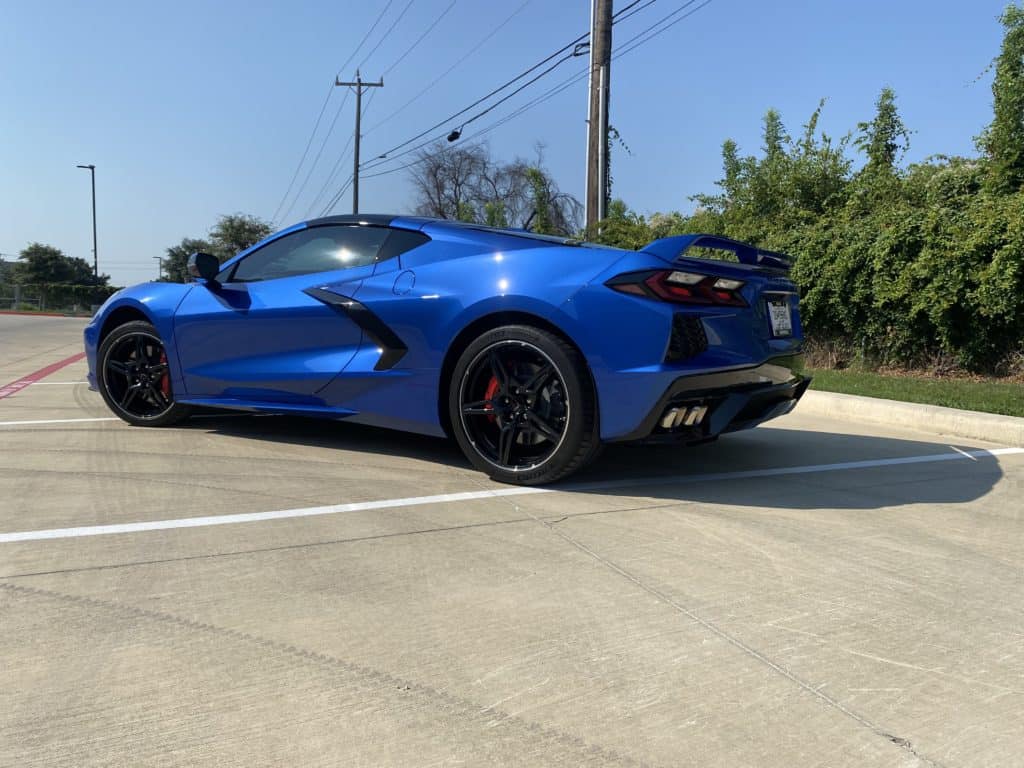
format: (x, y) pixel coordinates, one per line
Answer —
(672, 248)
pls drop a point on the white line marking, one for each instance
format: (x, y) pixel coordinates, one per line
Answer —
(448, 498)
(54, 421)
(55, 383)
(958, 450)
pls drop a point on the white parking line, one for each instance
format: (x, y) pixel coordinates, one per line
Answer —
(56, 383)
(54, 421)
(450, 498)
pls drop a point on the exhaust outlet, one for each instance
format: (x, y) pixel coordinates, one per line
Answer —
(669, 420)
(695, 415)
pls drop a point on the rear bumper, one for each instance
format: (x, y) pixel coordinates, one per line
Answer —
(726, 401)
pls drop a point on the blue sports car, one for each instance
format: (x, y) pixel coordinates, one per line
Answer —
(531, 351)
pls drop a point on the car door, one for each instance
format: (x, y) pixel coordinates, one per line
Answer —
(257, 336)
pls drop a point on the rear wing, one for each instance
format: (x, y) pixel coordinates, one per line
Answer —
(672, 248)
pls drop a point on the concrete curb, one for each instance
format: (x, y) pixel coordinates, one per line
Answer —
(1004, 430)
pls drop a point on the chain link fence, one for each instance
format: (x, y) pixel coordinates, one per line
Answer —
(53, 297)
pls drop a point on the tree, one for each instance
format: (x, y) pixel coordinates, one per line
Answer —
(552, 212)
(175, 264)
(235, 232)
(231, 234)
(775, 136)
(623, 228)
(40, 263)
(1003, 140)
(885, 137)
(466, 183)
(447, 181)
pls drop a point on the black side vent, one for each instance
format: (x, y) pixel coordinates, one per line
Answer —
(688, 338)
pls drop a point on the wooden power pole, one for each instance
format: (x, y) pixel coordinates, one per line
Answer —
(359, 85)
(597, 128)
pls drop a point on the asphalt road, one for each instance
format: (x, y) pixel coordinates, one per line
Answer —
(249, 591)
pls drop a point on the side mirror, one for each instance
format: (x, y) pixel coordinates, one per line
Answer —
(204, 265)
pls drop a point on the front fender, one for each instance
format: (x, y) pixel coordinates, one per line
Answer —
(156, 302)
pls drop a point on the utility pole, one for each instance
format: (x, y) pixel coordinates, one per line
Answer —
(159, 267)
(359, 85)
(95, 257)
(597, 128)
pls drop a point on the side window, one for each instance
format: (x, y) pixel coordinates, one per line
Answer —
(319, 249)
(401, 241)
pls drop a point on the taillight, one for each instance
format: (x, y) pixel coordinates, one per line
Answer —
(681, 287)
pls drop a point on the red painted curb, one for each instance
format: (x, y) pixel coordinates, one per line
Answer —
(16, 386)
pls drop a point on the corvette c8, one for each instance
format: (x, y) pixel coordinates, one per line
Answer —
(530, 351)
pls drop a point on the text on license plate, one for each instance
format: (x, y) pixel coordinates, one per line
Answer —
(779, 317)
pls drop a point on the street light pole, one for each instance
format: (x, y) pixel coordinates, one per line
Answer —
(95, 256)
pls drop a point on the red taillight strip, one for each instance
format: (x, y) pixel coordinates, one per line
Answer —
(656, 285)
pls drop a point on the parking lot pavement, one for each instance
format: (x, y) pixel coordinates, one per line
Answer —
(288, 592)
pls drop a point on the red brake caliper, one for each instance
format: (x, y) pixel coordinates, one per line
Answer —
(492, 390)
(165, 380)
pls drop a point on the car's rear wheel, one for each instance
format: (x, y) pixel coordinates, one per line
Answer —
(134, 378)
(522, 406)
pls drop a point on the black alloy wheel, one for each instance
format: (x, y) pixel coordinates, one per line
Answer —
(134, 376)
(522, 406)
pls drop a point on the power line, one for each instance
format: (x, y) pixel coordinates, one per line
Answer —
(337, 196)
(419, 40)
(381, 160)
(366, 37)
(623, 13)
(332, 175)
(385, 36)
(305, 152)
(323, 108)
(408, 50)
(631, 44)
(666, 27)
(422, 91)
(323, 144)
(572, 80)
(482, 99)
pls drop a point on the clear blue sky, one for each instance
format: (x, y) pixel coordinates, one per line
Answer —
(193, 109)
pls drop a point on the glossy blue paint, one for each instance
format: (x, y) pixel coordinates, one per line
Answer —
(155, 302)
(271, 346)
(264, 341)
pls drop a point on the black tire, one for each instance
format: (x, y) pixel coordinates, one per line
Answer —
(132, 376)
(522, 406)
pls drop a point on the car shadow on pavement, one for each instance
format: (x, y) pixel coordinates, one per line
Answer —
(681, 473)
(678, 472)
(338, 435)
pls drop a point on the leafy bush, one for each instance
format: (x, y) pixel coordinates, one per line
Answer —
(907, 266)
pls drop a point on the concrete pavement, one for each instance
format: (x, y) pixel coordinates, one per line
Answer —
(733, 604)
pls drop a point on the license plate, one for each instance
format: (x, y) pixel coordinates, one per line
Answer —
(780, 318)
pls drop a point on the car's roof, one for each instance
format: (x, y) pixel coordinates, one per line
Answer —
(366, 219)
(418, 222)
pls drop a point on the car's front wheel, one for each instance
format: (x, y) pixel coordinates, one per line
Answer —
(522, 406)
(134, 378)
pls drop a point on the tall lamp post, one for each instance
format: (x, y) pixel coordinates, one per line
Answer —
(95, 257)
